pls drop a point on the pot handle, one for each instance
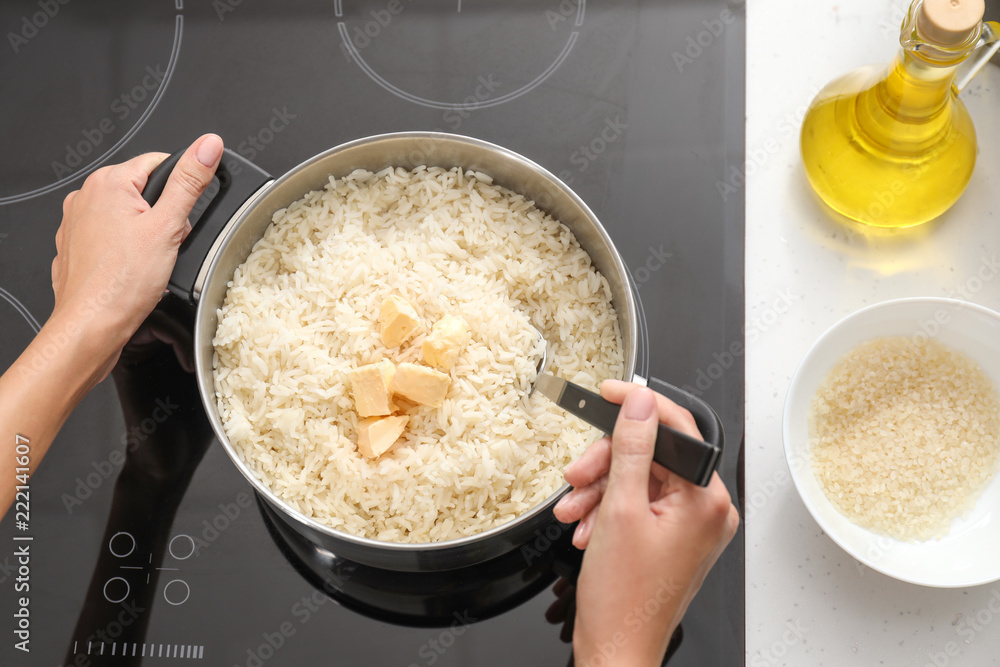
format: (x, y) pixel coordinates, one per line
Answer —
(690, 458)
(709, 424)
(238, 180)
(696, 458)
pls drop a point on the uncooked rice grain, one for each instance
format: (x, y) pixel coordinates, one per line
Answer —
(302, 311)
(905, 434)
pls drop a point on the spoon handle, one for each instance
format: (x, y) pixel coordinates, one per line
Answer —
(678, 452)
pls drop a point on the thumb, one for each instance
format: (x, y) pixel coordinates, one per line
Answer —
(632, 447)
(188, 180)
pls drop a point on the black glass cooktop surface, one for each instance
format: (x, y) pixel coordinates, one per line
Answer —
(148, 547)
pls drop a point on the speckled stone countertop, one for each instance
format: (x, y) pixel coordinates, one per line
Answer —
(809, 603)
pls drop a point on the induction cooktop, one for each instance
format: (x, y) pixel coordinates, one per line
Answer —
(144, 544)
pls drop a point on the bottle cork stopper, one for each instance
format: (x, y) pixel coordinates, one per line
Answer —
(950, 22)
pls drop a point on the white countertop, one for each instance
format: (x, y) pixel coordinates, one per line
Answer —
(808, 603)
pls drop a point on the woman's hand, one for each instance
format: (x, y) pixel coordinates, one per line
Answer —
(115, 253)
(114, 258)
(651, 537)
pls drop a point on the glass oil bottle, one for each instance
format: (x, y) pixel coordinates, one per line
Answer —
(895, 146)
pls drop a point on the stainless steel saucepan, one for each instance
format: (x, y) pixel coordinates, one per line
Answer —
(237, 218)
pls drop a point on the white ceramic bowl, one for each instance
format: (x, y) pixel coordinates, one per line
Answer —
(970, 554)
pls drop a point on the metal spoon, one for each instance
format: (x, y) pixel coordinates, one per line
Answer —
(688, 457)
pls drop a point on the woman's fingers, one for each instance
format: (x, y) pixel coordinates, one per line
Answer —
(55, 273)
(632, 451)
(710, 508)
(577, 503)
(581, 536)
(732, 522)
(186, 231)
(670, 413)
(596, 461)
(593, 464)
(187, 182)
(589, 475)
(636, 475)
(137, 170)
(68, 202)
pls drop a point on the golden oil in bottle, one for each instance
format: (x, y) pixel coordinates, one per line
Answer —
(895, 146)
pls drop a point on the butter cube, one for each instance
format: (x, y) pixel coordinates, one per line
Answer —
(376, 435)
(420, 384)
(371, 388)
(398, 320)
(400, 404)
(445, 341)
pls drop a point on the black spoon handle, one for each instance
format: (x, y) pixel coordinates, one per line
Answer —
(688, 457)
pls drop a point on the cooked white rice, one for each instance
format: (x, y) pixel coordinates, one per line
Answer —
(303, 311)
(905, 436)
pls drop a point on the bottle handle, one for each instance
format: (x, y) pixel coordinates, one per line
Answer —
(989, 44)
